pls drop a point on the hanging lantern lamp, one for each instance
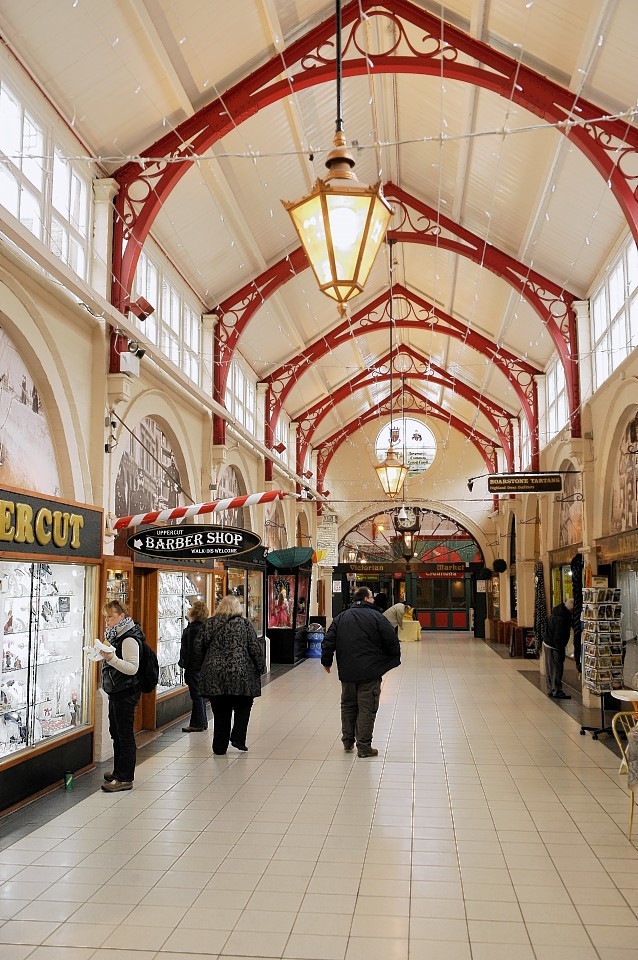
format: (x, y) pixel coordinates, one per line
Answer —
(342, 223)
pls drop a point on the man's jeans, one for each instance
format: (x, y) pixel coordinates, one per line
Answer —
(359, 705)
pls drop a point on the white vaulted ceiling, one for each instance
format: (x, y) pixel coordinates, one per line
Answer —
(124, 73)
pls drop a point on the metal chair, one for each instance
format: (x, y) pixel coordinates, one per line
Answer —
(623, 722)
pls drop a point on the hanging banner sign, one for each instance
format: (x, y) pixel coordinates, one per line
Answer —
(524, 483)
(328, 541)
(193, 542)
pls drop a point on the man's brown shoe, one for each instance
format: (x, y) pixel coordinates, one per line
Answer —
(193, 729)
(117, 785)
(348, 747)
(364, 752)
(109, 777)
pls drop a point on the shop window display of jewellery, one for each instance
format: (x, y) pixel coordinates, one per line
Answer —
(41, 631)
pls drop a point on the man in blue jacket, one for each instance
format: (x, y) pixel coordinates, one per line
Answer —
(367, 647)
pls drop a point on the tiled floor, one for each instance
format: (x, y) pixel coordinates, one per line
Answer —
(487, 828)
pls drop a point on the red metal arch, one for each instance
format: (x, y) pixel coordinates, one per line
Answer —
(420, 223)
(421, 315)
(417, 404)
(552, 304)
(611, 145)
(423, 370)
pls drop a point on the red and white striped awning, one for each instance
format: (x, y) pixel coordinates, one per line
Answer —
(197, 509)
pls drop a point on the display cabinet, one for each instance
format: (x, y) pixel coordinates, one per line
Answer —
(176, 593)
(118, 581)
(247, 583)
(288, 607)
(45, 614)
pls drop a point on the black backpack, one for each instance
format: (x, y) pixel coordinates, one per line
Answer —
(148, 670)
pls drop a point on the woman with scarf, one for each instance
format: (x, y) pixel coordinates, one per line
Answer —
(119, 682)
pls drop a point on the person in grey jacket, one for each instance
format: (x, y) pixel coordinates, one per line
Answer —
(230, 659)
(366, 646)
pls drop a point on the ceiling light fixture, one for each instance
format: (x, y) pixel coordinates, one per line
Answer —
(341, 223)
(392, 472)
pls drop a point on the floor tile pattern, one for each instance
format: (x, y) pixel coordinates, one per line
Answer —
(487, 828)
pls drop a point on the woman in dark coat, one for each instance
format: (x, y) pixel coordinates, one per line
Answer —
(231, 661)
(197, 616)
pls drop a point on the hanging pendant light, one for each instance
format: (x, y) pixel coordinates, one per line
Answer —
(392, 472)
(342, 223)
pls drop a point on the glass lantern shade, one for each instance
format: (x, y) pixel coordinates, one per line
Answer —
(392, 473)
(341, 226)
(407, 546)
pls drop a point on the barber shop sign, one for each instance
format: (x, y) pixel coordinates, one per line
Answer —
(193, 542)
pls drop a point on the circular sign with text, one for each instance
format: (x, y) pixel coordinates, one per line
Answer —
(193, 542)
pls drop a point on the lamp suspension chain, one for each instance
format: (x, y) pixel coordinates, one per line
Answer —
(339, 123)
(390, 245)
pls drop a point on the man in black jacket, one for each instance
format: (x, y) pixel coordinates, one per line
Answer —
(559, 624)
(367, 647)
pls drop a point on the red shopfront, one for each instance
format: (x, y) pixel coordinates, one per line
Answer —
(444, 595)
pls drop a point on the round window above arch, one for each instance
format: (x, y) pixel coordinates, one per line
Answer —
(410, 438)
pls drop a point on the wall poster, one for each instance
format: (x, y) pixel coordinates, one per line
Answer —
(624, 494)
(148, 477)
(27, 451)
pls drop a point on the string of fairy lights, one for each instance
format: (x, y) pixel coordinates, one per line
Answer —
(382, 147)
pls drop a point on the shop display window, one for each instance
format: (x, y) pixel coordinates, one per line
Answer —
(255, 606)
(218, 589)
(46, 617)
(281, 598)
(118, 587)
(302, 600)
(237, 583)
(177, 591)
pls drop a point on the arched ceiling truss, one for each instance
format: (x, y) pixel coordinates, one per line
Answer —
(422, 370)
(416, 314)
(610, 144)
(418, 223)
(404, 401)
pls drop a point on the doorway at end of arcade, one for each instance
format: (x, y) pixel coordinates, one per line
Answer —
(445, 596)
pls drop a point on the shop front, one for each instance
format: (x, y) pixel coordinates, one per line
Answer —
(443, 596)
(560, 571)
(245, 578)
(288, 592)
(163, 593)
(618, 564)
(50, 554)
(440, 592)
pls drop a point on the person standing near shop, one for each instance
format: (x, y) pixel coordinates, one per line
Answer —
(559, 625)
(231, 661)
(196, 616)
(119, 682)
(366, 647)
(395, 615)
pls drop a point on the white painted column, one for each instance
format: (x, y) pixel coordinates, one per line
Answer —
(104, 191)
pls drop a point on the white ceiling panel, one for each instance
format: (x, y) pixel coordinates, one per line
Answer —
(126, 72)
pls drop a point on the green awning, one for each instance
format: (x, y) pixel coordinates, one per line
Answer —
(290, 557)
